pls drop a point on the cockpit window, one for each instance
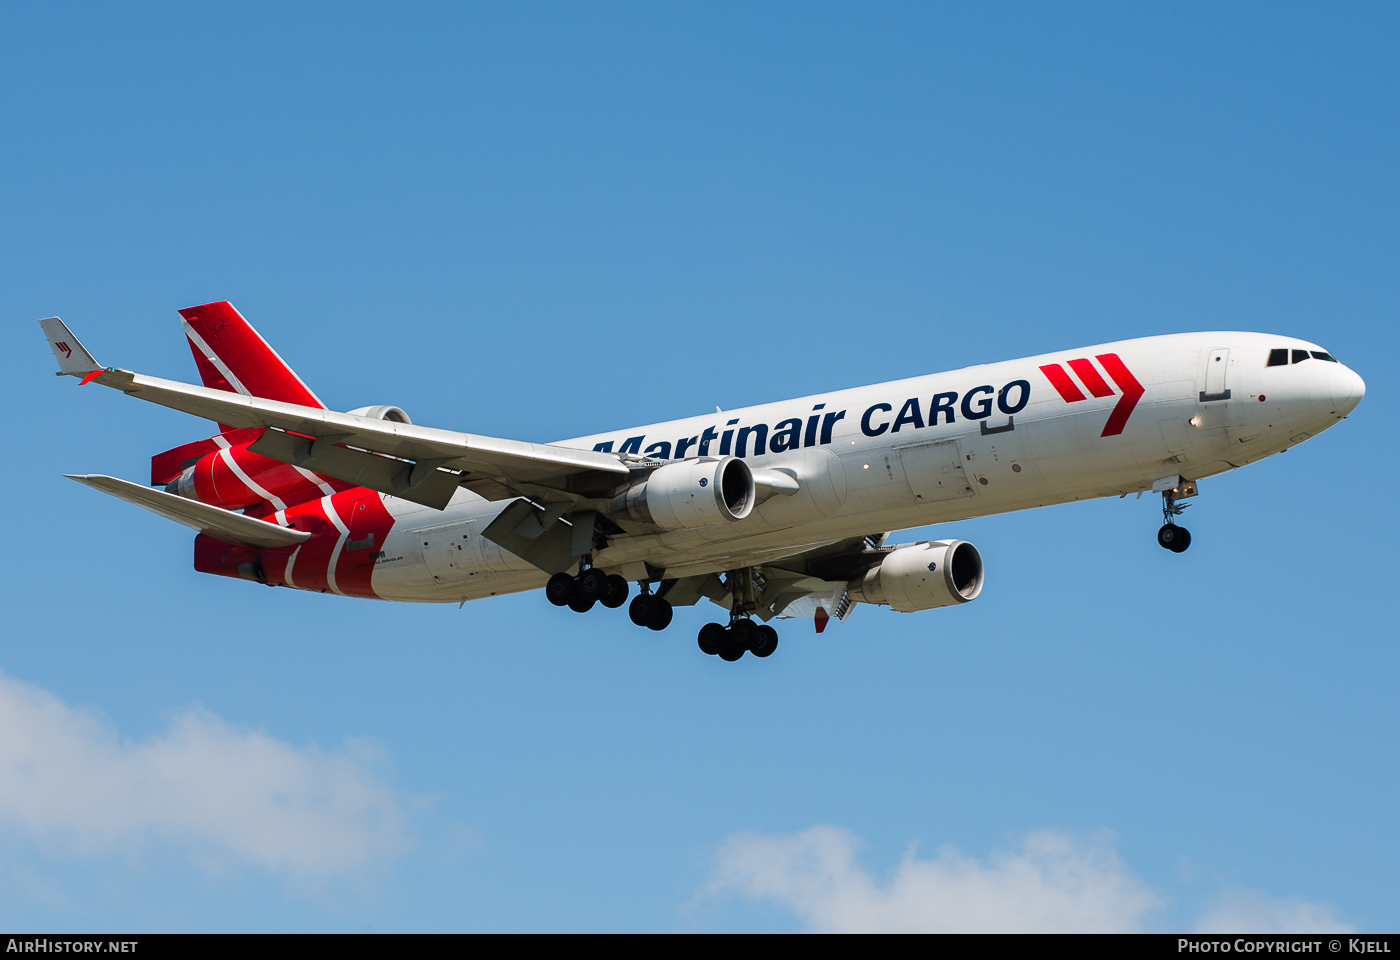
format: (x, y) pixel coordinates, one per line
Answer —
(1278, 358)
(1299, 356)
(1319, 355)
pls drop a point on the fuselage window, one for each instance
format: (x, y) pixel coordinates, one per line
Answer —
(1278, 358)
(1319, 355)
(1299, 356)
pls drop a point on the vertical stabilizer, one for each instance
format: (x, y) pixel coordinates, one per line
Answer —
(232, 356)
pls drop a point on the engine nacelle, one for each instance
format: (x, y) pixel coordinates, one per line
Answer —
(236, 477)
(922, 576)
(692, 493)
(382, 412)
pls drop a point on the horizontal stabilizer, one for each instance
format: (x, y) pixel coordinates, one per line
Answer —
(73, 358)
(219, 523)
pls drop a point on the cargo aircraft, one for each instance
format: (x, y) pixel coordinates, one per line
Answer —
(774, 511)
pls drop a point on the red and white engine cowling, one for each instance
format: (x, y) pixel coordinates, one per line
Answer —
(235, 478)
(692, 493)
(923, 576)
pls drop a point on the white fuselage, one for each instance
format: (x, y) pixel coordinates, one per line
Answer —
(949, 446)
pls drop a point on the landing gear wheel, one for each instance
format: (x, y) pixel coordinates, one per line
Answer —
(766, 643)
(581, 604)
(560, 589)
(593, 584)
(615, 590)
(743, 633)
(662, 618)
(642, 610)
(711, 639)
(731, 651)
(1174, 538)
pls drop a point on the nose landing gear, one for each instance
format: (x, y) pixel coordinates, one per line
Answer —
(1170, 536)
(1174, 538)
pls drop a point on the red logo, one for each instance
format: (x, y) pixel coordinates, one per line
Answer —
(1095, 384)
(67, 350)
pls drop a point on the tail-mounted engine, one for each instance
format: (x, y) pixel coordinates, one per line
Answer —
(922, 576)
(234, 477)
(382, 412)
(692, 493)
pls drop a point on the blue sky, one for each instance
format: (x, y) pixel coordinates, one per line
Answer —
(541, 221)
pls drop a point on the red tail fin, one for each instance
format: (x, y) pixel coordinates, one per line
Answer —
(232, 356)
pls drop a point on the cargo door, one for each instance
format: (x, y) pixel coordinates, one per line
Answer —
(935, 471)
(445, 551)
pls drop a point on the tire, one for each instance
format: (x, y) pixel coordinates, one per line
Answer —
(1182, 541)
(662, 618)
(581, 604)
(1167, 536)
(642, 610)
(560, 589)
(731, 651)
(767, 642)
(711, 639)
(744, 634)
(593, 584)
(615, 590)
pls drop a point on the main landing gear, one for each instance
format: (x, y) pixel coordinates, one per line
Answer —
(1170, 536)
(649, 610)
(740, 637)
(582, 592)
(594, 586)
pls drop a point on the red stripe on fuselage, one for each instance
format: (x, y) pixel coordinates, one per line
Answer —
(1132, 392)
(363, 512)
(1089, 376)
(313, 558)
(1061, 382)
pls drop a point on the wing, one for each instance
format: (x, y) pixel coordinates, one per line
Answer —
(219, 523)
(416, 463)
(811, 583)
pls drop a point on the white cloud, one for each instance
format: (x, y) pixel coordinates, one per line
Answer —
(68, 778)
(1249, 911)
(1052, 883)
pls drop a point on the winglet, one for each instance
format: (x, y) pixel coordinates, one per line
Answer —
(73, 358)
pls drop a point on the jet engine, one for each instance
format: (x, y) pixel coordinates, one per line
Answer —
(922, 576)
(692, 493)
(382, 412)
(236, 477)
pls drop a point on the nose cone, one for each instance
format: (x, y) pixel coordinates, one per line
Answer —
(1347, 389)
